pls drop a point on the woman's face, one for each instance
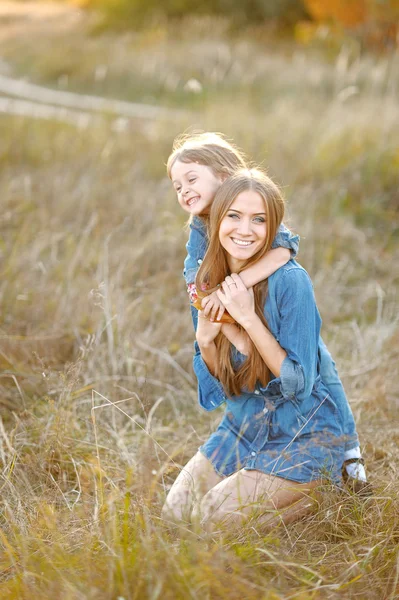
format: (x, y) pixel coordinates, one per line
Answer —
(195, 186)
(242, 231)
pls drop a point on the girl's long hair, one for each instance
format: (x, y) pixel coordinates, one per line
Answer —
(214, 269)
(209, 149)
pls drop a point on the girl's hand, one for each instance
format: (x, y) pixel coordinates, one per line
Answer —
(206, 330)
(212, 307)
(237, 299)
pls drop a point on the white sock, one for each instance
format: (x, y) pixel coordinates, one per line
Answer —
(355, 470)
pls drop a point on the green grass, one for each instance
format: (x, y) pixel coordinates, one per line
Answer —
(95, 422)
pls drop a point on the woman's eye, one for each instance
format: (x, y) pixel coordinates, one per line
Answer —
(232, 216)
(191, 180)
(259, 220)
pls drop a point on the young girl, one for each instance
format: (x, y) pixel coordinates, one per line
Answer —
(197, 166)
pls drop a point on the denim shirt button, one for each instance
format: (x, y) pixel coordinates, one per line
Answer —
(265, 411)
(199, 261)
(253, 453)
(257, 392)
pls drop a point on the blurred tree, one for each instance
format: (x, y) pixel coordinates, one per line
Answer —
(346, 12)
(375, 20)
(138, 12)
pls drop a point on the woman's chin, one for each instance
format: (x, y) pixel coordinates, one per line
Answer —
(241, 253)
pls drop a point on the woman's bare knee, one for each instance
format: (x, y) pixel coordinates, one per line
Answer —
(194, 480)
(177, 507)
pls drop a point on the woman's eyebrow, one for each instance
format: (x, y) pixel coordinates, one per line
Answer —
(254, 214)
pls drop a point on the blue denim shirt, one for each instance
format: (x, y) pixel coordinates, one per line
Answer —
(196, 248)
(294, 321)
(291, 427)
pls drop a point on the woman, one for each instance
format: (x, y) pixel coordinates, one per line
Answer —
(281, 434)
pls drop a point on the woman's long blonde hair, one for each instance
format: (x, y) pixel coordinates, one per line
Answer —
(209, 149)
(214, 269)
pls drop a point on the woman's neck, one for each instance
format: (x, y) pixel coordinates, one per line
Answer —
(235, 265)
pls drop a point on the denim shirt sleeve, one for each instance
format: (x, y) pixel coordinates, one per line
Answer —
(286, 239)
(196, 248)
(210, 391)
(299, 334)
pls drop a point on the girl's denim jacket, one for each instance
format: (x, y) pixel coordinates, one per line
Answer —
(196, 248)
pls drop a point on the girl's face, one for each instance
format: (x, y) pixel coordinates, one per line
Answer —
(195, 186)
(243, 229)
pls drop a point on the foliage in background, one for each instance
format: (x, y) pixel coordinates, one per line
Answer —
(374, 22)
(138, 12)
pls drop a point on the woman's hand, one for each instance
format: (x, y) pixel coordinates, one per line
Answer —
(206, 330)
(237, 299)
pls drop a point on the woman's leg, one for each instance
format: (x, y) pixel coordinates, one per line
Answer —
(192, 483)
(239, 496)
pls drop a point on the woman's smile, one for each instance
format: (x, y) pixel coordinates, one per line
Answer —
(242, 242)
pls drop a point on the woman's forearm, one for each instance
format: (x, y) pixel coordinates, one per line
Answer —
(268, 347)
(236, 336)
(209, 356)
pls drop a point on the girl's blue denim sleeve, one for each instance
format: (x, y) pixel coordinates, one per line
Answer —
(210, 391)
(299, 333)
(286, 239)
(196, 248)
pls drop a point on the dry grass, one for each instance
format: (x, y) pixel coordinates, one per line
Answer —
(97, 394)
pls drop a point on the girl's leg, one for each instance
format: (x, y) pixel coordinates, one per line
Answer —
(274, 499)
(192, 483)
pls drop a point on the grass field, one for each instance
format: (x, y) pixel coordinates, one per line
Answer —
(98, 399)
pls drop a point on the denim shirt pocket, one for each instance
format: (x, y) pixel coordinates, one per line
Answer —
(319, 412)
(286, 420)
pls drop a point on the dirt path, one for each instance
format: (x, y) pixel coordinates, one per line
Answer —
(23, 98)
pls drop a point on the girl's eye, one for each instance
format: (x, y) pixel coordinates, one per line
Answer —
(259, 220)
(233, 215)
(191, 180)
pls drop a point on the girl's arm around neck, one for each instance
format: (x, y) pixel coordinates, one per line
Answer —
(265, 267)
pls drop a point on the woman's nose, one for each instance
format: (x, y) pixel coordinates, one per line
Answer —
(244, 227)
